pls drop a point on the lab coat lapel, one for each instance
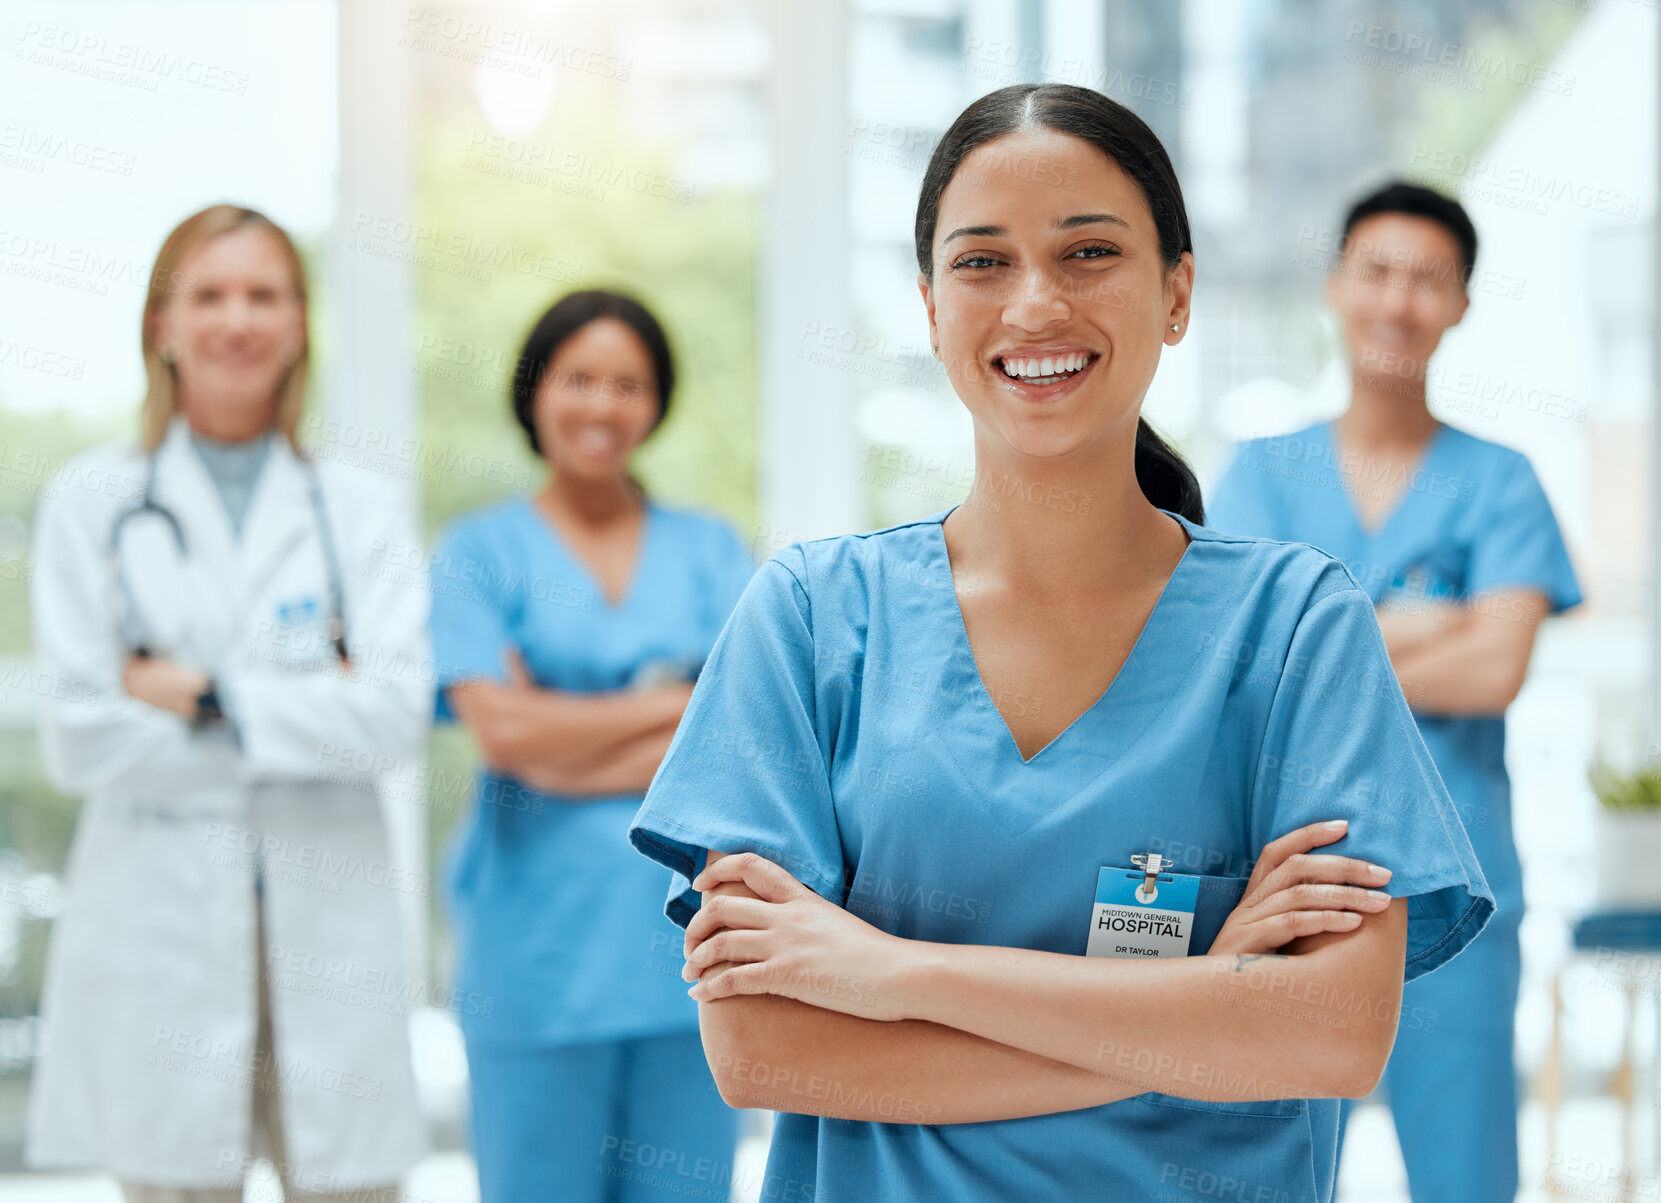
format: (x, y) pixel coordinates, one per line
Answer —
(279, 519)
(184, 487)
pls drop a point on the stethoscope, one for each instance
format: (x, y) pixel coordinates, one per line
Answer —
(126, 605)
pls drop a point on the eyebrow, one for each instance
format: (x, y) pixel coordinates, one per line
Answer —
(1066, 223)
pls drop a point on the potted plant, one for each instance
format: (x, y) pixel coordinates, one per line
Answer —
(1628, 836)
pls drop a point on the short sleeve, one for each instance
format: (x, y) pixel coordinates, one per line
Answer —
(746, 771)
(1519, 544)
(1340, 743)
(1240, 503)
(469, 613)
(730, 567)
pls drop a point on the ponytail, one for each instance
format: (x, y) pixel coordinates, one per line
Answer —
(1166, 479)
(1127, 141)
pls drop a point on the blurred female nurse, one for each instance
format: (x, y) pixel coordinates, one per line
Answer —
(1454, 540)
(568, 627)
(216, 612)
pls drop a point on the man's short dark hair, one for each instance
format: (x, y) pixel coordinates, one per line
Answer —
(1399, 196)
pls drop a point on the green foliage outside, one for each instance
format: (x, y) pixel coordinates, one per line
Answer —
(1639, 790)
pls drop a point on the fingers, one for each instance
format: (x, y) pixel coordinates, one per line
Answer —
(1318, 897)
(770, 882)
(1271, 933)
(1277, 931)
(727, 945)
(517, 672)
(731, 982)
(722, 911)
(1334, 870)
(1315, 835)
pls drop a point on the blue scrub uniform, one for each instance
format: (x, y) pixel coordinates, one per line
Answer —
(842, 730)
(1473, 520)
(587, 1075)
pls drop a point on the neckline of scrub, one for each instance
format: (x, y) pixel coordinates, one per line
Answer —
(1133, 658)
(1373, 533)
(648, 524)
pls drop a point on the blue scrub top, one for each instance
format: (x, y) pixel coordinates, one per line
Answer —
(1473, 520)
(842, 730)
(558, 923)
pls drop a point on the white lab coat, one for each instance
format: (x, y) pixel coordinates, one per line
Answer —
(149, 1005)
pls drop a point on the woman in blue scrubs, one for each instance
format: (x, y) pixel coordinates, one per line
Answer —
(568, 627)
(1453, 539)
(923, 764)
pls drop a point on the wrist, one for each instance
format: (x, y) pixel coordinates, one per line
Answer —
(917, 974)
(206, 708)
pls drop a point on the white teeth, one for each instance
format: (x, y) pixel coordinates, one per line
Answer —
(1050, 365)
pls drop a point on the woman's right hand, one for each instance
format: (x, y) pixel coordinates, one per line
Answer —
(1292, 893)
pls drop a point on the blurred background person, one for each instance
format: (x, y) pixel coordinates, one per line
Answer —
(196, 596)
(1456, 542)
(568, 627)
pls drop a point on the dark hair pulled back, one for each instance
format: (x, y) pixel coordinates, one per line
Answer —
(1164, 476)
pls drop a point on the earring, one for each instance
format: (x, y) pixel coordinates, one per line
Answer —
(1173, 329)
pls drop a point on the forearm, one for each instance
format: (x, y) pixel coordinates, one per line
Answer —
(1318, 1024)
(91, 739)
(1475, 661)
(297, 724)
(784, 1055)
(548, 733)
(628, 769)
(1456, 676)
(1417, 625)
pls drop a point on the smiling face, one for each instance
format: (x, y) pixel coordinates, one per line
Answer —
(1397, 289)
(233, 332)
(1050, 302)
(597, 402)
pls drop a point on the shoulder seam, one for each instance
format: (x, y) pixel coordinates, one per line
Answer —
(802, 585)
(1257, 758)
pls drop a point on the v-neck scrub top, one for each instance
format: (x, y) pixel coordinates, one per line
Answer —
(841, 729)
(1472, 520)
(559, 927)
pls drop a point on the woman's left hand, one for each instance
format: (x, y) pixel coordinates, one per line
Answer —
(163, 684)
(788, 941)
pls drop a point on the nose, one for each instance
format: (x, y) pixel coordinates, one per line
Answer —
(1037, 302)
(1398, 294)
(238, 314)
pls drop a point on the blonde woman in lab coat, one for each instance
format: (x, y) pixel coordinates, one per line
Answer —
(236, 663)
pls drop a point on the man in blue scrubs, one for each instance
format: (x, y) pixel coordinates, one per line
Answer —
(1454, 540)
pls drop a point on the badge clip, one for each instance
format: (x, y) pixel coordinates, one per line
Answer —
(1150, 863)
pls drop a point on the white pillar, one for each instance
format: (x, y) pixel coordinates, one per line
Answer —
(809, 469)
(1655, 485)
(367, 378)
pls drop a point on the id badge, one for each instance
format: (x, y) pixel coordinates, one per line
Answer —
(1142, 912)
